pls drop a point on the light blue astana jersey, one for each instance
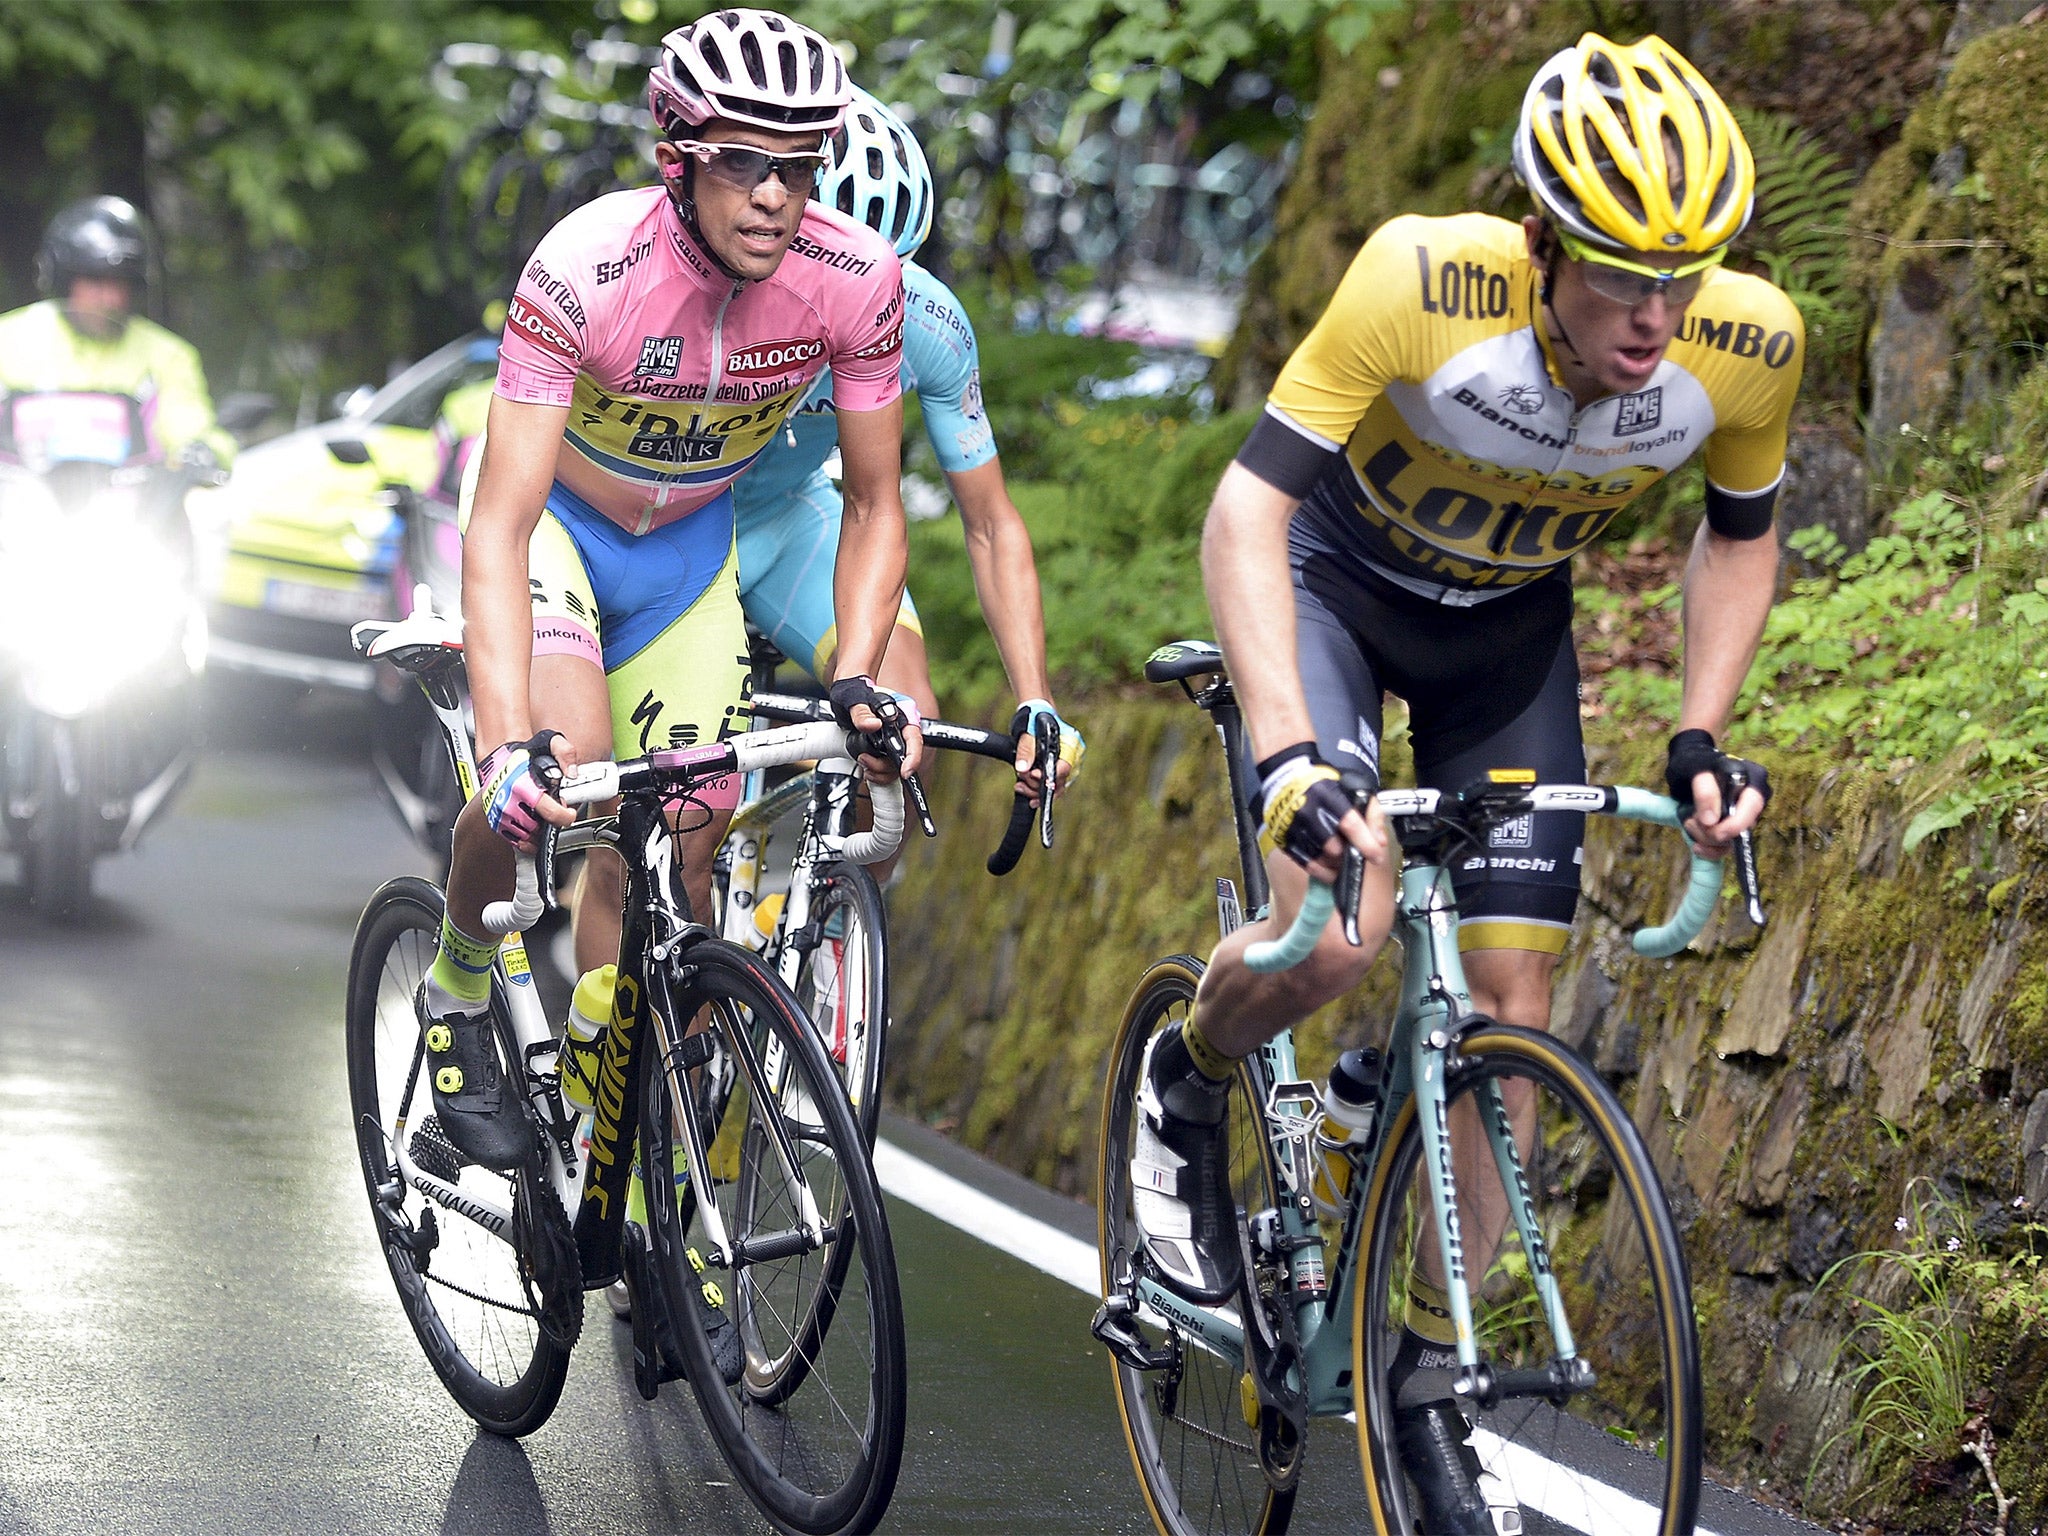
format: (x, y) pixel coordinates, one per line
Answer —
(787, 506)
(940, 361)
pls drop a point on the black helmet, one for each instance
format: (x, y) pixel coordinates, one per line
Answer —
(99, 237)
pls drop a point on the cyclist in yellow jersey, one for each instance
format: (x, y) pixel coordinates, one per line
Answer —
(1476, 403)
(85, 336)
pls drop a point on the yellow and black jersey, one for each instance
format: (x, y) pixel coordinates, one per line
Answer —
(1423, 420)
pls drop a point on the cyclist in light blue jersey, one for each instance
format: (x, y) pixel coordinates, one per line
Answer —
(787, 506)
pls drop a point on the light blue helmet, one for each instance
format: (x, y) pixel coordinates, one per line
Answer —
(878, 174)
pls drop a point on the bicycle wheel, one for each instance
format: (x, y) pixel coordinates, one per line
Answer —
(1190, 1437)
(813, 1426)
(496, 1314)
(842, 984)
(1618, 1451)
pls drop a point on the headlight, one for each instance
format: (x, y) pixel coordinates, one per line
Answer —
(27, 507)
(85, 605)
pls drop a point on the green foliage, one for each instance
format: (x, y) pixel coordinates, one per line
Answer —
(1991, 107)
(1114, 494)
(1921, 1314)
(1128, 41)
(1923, 651)
(289, 154)
(1799, 234)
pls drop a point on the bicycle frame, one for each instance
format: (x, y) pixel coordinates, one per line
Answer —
(656, 927)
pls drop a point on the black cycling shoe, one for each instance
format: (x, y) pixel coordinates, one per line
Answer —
(481, 1119)
(1180, 1177)
(1433, 1440)
(727, 1353)
(1435, 1453)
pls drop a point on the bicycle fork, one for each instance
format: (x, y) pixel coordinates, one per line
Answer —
(1438, 998)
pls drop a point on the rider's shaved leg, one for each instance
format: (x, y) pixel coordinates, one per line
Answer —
(1241, 1010)
(601, 892)
(1180, 1176)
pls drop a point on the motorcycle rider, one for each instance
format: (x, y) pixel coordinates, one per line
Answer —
(85, 335)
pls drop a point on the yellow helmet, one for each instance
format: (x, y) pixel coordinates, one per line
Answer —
(1631, 149)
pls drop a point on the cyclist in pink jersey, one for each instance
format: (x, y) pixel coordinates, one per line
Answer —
(655, 343)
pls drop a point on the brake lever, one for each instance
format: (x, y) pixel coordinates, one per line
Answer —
(913, 786)
(889, 745)
(1350, 890)
(1045, 734)
(1745, 857)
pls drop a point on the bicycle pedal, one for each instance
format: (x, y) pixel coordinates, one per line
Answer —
(433, 1153)
(1281, 1444)
(1115, 1326)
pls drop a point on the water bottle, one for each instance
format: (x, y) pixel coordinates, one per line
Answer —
(1350, 1104)
(767, 913)
(590, 1015)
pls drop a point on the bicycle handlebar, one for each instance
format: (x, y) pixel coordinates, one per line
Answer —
(597, 782)
(953, 737)
(1703, 888)
(1045, 736)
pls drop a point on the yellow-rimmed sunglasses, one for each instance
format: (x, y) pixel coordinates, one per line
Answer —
(1630, 283)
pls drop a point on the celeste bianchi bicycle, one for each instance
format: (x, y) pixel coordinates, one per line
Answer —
(1499, 1166)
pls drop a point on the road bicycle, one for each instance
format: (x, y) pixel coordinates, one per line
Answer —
(827, 933)
(1495, 1150)
(764, 1272)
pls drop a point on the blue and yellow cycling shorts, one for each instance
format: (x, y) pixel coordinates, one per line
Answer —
(659, 612)
(786, 561)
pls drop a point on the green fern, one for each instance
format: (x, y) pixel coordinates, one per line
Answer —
(1799, 234)
(1803, 190)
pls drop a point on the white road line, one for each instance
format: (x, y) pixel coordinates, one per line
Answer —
(1576, 1500)
(961, 1205)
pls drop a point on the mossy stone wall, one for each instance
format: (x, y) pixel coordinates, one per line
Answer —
(1892, 1021)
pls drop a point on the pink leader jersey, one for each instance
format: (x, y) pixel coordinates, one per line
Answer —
(677, 376)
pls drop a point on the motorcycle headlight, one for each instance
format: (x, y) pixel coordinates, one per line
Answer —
(85, 605)
(28, 510)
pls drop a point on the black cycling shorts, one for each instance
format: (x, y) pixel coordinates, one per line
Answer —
(1492, 685)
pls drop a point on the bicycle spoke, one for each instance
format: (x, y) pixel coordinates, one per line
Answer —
(468, 1293)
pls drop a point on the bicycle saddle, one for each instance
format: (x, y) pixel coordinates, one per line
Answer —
(1183, 659)
(415, 643)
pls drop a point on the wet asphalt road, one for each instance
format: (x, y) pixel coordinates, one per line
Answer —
(201, 1336)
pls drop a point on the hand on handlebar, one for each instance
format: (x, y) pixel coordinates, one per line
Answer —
(519, 780)
(1072, 749)
(1701, 777)
(1310, 814)
(1366, 831)
(894, 746)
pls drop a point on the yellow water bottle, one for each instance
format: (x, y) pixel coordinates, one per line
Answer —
(767, 913)
(590, 1015)
(1350, 1104)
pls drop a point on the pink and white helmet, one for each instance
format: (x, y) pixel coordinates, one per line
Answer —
(751, 67)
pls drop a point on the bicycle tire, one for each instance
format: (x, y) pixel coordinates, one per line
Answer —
(813, 1428)
(504, 1373)
(1616, 1256)
(1199, 1469)
(842, 984)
